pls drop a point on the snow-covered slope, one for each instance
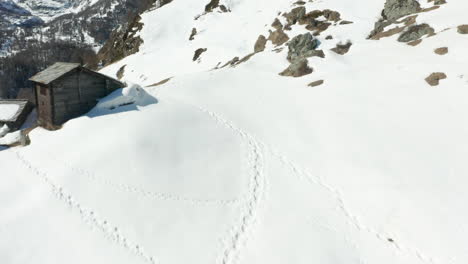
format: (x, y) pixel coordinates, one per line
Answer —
(50, 9)
(242, 165)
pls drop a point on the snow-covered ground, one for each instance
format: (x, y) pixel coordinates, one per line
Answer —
(47, 10)
(242, 165)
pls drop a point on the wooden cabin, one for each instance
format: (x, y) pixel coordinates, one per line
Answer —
(68, 90)
(13, 113)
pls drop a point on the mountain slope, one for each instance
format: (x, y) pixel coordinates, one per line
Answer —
(242, 165)
(50, 9)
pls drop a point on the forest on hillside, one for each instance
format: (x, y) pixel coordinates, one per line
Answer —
(15, 70)
(73, 37)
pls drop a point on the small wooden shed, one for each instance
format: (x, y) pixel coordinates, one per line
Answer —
(68, 90)
(13, 113)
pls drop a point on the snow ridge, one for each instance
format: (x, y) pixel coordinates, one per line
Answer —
(111, 232)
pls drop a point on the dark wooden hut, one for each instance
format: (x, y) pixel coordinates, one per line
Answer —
(68, 90)
(13, 113)
(27, 94)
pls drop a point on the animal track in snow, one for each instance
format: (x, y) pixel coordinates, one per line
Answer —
(149, 194)
(88, 215)
(352, 219)
(239, 233)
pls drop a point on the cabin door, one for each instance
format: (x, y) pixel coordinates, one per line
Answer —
(44, 105)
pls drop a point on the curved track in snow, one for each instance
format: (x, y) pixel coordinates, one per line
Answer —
(304, 173)
(89, 216)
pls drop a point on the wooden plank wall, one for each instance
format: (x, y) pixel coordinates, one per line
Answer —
(75, 94)
(44, 106)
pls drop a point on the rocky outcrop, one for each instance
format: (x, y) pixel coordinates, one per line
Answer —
(120, 72)
(198, 53)
(441, 51)
(416, 32)
(277, 24)
(394, 9)
(316, 83)
(462, 29)
(278, 37)
(297, 69)
(295, 15)
(342, 48)
(193, 34)
(122, 43)
(331, 15)
(213, 4)
(438, 2)
(318, 26)
(434, 78)
(303, 46)
(260, 44)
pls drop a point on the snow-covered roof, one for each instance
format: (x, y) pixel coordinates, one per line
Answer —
(59, 69)
(10, 110)
(54, 72)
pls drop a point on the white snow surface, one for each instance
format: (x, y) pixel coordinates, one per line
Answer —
(7, 111)
(241, 165)
(10, 138)
(4, 130)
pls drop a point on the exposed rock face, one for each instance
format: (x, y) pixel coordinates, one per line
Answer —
(122, 43)
(297, 69)
(277, 24)
(303, 46)
(395, 9)
(416, 32)
(441, 51)
(342, 48)
(260, 44)
(193, 34)
(316, 83)
(121, 71)
(318, 26)
(211, 5)
(198, 53)
(295, 15)
(331, 15)
(438, 2)
(434, 78)
(415, 43)
(462, 29)
(278, 37)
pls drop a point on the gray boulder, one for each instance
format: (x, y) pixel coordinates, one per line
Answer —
(416, 32)
(260, 44)
(297, 69)
(462, 29)
(303, 46)
(295, 15)
(395, 9)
